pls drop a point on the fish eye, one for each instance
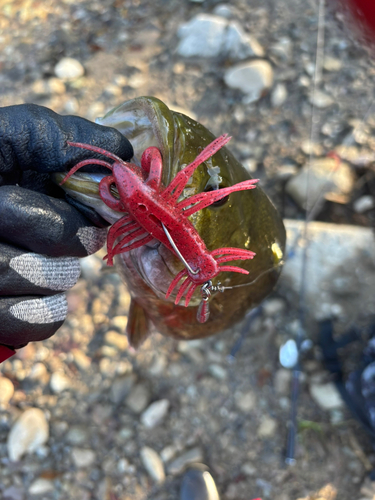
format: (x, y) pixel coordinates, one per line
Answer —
(218, 203)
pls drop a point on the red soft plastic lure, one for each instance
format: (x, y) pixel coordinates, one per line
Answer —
(149, 205)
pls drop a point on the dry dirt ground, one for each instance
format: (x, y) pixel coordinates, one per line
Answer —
(234, 415)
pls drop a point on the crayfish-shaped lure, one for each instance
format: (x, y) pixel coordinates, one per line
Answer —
(149, 206)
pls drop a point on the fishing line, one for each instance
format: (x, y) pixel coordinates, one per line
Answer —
(301, 333)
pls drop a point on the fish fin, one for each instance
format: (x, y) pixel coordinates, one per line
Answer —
(138, 327)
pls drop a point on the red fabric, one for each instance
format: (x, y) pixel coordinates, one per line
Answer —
(5, 353)
(364, 12)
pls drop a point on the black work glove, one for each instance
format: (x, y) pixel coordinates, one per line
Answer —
(41, 235)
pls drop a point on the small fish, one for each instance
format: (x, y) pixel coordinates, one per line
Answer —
(196, 173)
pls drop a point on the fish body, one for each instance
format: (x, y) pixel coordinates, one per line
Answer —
(244, 220)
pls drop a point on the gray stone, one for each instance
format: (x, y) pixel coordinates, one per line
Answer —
(155, 413)
(363, 204)
(321, 100)
(28, 433)
(320, 178)
(121, 388)
(192, 456)
(283, 49)
(340, 273)
(253, 78)
(6, 390)
(272, 307)
(202, 36)
(326, 396)
(210, 36)
(77, 435)
(217, 371)
(138, 398)
(223, 10)
(153, 464)
(279, 95)
(69, 69)
(83, 458)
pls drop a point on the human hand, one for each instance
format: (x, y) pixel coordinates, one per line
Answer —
(41, 235)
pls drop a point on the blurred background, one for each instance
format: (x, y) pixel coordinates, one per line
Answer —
(108, 423)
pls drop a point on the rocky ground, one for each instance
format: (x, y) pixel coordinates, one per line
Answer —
(83, 416)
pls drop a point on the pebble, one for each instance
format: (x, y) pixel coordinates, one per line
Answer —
(223, 10)
(202, 36)
(39, 372)
(138, 398)
(117, 340)
(326, 396)
(332, 64)
(83, 458)
(192, 456)
(77, 435)
(208, 35)
(121, 388)
(267, 427)
(120, 322)
(6, 390)
(248, 469)
(272, 307)
(282, 381)
(59, 382)
(321, 100)
(28, 433)
(69, 69)
(155, 413)
(217, 371)
(41, 486)
(253, 78)
(81, 360)
(323, 179)
(363, 204)
(245, 401)
(283, 49)
(279, 95)
(153, 464)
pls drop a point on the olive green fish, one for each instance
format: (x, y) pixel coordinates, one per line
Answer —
(244, 219)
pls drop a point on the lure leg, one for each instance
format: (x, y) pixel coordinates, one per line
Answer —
(136, 244)
(101, 151)
(152, 163)
(82, 164)
(182, 290)
(107, 196)
(203, 200)
(175, 280)
(177, 185)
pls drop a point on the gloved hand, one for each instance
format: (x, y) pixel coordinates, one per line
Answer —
(41, 235)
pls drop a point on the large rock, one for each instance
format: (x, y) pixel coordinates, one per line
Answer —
(210, 36)
(28, 433)
(340, 272)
